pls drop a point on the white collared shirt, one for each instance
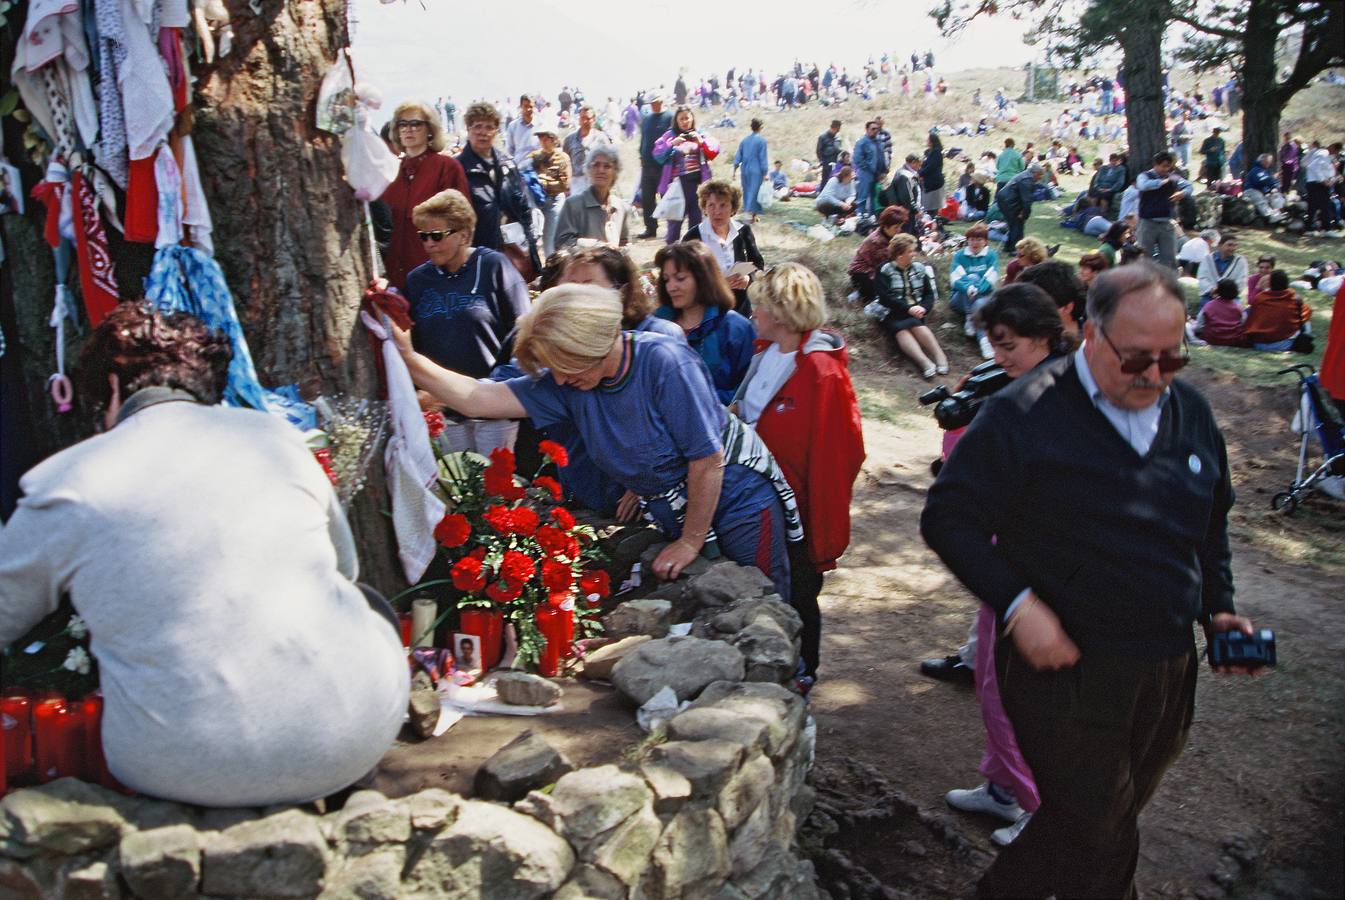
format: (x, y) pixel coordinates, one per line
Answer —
(722, 248)
(1139, 427)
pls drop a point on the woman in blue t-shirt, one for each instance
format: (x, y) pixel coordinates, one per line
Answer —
(644, 407)
(694, 295)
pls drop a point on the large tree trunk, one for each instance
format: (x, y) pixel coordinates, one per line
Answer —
(1142, 67)
(1263, 99)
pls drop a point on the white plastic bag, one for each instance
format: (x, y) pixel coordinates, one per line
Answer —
(765, 195)
(370, 165)
(673, 205)
(336, 97)
(820, 233)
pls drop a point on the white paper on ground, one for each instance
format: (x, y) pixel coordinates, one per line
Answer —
(481, 699)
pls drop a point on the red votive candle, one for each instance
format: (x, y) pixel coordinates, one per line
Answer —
(488, 625)
(17, 725)
(567, 619)
(551, 623)
(95, 764)
(51, 737)
(404, 626)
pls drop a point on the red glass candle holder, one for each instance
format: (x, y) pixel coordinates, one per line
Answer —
(404, 626)
(567, 619)
(488, 625)
(57, 735)
(95, 764)
(551, 623)
(16, 722)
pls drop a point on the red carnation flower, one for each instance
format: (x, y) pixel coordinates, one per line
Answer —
(525, 521)
(500, 483)
(562, 517)
(453, 530)
(502, 592)
(556, 576)
(434, 420)
(502, 458)
(467, 575)
(550, 485)
(555, 452)
(517, 568)
(596, 582)
(478, 553)
(500, 518)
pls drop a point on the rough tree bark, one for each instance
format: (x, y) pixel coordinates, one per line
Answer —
(1142, 70)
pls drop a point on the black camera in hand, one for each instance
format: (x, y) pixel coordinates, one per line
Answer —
(956, 409)
(1233, 648)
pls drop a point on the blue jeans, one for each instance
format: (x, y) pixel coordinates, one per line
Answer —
(550, 215)
(959, 301)
(864, 193)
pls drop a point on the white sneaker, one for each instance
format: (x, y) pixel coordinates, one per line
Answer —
(979, 800)
(969, 327)
(853, 296)
(941, 370)
(987, 351)
(1006, 835)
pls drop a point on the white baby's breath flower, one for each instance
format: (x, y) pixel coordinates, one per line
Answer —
(78, 628)
(78, 660)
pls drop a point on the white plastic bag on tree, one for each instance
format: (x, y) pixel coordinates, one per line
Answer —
(336, 97)
(672, 206)
(765, 195)
(370, 166)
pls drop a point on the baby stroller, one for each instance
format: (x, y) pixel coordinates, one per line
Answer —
(1318, 414)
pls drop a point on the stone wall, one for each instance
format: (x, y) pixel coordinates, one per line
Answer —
(707, 807)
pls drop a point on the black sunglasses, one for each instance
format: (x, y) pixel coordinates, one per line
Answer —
(411, 123)
(1134, 365)
(435, 236)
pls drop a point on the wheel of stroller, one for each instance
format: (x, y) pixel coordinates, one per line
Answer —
(1284, 502)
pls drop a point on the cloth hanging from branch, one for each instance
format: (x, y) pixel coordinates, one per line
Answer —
(186, 279)
(97, 278)
(51, 66)
(112, 143)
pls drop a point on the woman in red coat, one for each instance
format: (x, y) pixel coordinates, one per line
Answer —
(1333, 359)
(425, 171)
(798, 397)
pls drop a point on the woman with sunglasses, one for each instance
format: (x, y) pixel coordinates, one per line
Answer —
(464, 303)
(643, 406)
(425, 170)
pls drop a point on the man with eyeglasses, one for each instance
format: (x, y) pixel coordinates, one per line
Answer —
(496, 188)
(1087, 504)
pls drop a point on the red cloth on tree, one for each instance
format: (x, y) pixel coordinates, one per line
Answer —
(142, 202)
(49, 193)
(418, 179)
(1333, 360)
(97, 278)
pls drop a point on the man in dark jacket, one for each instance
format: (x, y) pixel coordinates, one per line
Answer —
(1015, 202)
(497, 188)
(828, 150)
(1087, 505)
(651, 170)
(904, 191)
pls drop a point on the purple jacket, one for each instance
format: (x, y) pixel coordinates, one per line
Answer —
(673, 160)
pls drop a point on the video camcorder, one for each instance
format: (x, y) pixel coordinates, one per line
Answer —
(956, 409)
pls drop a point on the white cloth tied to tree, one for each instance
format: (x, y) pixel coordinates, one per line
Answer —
(181, 199)
(410, 464)
(53, 35)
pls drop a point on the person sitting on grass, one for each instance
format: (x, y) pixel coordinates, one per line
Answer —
(872, 253)
(1261, 277)
(1221, 320)
(780, 181)
(972, 279)
(837, 199)
(240, 662)
(1029, 252)
(1277, 315)
(906, 294)
(1226, 262)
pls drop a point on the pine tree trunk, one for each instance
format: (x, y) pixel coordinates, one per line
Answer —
(1142, 66)
(1263, 100)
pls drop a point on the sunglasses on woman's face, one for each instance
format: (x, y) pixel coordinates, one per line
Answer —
(434, 236)
(411, 123)
(1134, 364)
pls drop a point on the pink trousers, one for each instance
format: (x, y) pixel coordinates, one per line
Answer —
(1003, 762)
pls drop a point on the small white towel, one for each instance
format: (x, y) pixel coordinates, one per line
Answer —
(409, 462)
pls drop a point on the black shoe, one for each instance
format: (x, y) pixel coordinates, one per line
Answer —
(950, 668)
(646, 235)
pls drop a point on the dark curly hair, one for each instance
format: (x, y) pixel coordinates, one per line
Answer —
(636, 305)
(145, 347)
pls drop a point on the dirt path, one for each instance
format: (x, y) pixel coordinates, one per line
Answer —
(1256, 805)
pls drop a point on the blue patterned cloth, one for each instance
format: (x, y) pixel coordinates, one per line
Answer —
(184, 279)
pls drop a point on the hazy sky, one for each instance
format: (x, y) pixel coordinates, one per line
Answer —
(612, 47)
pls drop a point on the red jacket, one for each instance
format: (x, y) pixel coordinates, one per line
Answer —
(1275, 316)
(418, 180)
(1333, 360)
(812, 426)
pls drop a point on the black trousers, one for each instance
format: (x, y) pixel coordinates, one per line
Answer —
(1098, 737)
(805, 584)
(1319, 201)
(649, 179)
(826, 173)
(865, 286)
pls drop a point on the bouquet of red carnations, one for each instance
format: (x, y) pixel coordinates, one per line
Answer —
(516, 551)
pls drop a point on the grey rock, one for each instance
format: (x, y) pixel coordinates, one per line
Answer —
(62, 818)
(282, 855)
(748, 846)
(671, 787)
(220, 818)
(524, 764)
(591, 883)
(424, 708)
(649, 617)
(433, 808)
(769, 654)
(421, 681)
(914, 848)
(376, 875)
(162, 863)
(708, 765)
(624, 851)
(371, 818)
(692, 857)
(713, 723)
(745, 790)
(525, 689)
(772, 877)
(90, 881)
(685, 664)
(32, 878)
(727, 582)
(491, 852)
(598, 665)
(715, 622)
(586, 803)
(781, 710)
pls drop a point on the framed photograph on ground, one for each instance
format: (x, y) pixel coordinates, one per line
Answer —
(11, 189)
(467, 653)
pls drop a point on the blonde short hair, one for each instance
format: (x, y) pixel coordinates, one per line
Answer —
(449, 205)
(900, 244)
(1033, 250)
(792, 293)
(717, 187)
(438, 139)
(570, 329)
(481, 111)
